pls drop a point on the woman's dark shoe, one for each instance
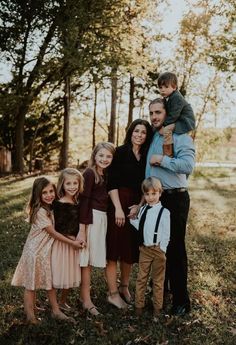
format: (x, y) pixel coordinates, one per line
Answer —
(180, 310)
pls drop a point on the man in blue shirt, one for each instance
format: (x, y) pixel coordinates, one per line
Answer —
(173, 174)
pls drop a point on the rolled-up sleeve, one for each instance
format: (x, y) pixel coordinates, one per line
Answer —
(184, 160)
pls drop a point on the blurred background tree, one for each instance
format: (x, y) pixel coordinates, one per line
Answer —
(81, 71)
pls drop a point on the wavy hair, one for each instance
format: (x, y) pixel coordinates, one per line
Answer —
(130, 130)
(35, 201)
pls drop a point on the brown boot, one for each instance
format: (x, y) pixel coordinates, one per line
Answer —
(138, 311)
(168, 150)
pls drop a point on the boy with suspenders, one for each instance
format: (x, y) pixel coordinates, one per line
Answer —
(153, 225)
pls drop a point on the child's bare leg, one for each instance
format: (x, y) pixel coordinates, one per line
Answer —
(29, 303)
(63, 300)
(56, 312)
(64, 295)
(168, 140)
(85, 291)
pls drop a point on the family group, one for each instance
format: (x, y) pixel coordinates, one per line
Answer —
(129, 206)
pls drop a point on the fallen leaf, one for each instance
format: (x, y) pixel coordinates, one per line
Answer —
(232, 330)
(101, 330)
(131, 329)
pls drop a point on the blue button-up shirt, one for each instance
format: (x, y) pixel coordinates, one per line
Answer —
(172, 172)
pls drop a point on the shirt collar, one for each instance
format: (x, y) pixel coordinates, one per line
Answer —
(156, 206)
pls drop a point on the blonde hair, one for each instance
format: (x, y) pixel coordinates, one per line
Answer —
(151, 183)
(35, 201)
(92, 164)
(61, 180)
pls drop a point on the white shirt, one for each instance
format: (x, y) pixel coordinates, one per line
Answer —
(163, 233)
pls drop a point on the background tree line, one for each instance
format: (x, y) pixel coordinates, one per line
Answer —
(65, 55)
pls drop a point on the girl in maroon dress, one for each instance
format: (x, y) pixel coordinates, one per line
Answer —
(93, 218)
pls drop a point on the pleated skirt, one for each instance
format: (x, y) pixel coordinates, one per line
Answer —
(95, 252)
(66, 272)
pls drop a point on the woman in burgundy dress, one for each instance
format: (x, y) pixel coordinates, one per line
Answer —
(125, 176)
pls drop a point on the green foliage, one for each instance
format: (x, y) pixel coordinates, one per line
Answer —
(46, 41)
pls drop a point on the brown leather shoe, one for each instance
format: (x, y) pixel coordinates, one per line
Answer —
(138, 311)
(168, 150)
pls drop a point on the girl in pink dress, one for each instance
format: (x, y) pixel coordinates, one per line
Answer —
(34, 268)
(65, 259)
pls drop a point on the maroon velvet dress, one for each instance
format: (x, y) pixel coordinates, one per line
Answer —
(126, 174)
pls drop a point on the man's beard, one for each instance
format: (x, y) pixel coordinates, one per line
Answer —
(157, 128)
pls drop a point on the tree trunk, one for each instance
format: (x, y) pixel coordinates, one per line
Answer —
(131, 101)
(112, 127)
(18, 154)
(94, 115)
(65, 143)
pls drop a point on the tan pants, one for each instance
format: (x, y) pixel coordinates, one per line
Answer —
(151, 258)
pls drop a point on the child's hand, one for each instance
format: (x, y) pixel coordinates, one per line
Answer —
(76, 244)
(153, 159)
(81, 237)
(133, 211)
(82, 244)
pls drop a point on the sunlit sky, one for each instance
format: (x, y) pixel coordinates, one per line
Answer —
(173, 15)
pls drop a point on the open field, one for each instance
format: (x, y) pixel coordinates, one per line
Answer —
(211, 240)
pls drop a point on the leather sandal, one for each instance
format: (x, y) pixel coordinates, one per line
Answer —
(126, 298)
(92, 310)
(65, 306)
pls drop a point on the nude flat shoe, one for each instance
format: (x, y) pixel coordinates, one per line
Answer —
(121, 305)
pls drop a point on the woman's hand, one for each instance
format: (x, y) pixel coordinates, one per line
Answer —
(133, 211)
(119, 217)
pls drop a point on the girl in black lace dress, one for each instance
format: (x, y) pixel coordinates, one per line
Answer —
(65, 259)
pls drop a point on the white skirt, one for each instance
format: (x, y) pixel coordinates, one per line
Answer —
(95, 252)
(65, 269)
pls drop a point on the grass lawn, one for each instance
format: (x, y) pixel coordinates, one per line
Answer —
(211, 243)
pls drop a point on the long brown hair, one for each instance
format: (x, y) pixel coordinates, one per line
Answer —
(130, 130)
(35, 201)
(92, 164)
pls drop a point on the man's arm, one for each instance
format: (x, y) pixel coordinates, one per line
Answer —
(184, 159)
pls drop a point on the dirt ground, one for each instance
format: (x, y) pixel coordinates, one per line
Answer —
(214, 202)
